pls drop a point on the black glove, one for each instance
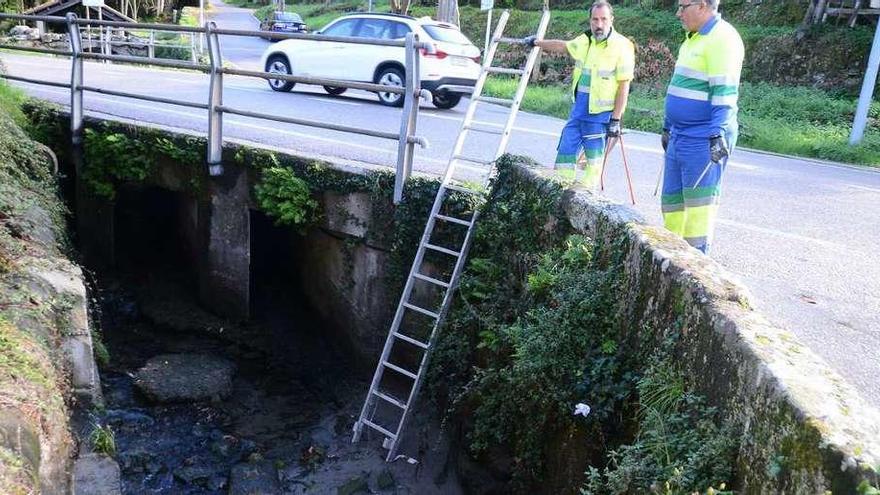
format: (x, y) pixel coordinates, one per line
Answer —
(613, 128)
(664, 139)
(530, 40)
(718, 149)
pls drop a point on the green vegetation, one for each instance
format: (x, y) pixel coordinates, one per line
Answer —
(679, 448)
(103, 440)
(286, 198)
(11, 100)
(865, 488)
(113, 157)
(16, 477)
(26, 181)
(535, 331)
(102, 354)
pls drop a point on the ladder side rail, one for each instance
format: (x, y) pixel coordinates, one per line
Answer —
(468, 240)
(398, 317)
(444, 310)
(523, 84)
(478, 90)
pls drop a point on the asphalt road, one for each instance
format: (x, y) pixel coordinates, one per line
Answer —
(803, 235)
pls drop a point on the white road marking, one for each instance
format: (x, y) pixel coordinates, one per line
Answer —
(331, 100)
(863, 188)
(490, 124)
(779, 233)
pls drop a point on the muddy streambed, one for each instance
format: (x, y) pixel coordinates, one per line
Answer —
(281, 424)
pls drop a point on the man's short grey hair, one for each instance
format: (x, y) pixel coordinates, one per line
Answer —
(604, 3)
(713, 4)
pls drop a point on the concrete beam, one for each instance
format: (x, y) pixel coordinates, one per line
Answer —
(224, 222)
(95, 217)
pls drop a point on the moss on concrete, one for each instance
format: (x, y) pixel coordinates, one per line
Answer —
(35, 444)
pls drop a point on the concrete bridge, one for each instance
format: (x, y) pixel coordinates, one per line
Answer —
(760, 374)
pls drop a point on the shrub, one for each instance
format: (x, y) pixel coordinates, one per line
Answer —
(103, 440)
(286, 198)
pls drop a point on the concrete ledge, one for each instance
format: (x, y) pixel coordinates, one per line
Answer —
(804, 429)
(64, 282)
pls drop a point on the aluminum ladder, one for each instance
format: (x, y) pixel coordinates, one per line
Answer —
(395, 410)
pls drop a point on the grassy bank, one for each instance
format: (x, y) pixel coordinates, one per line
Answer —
(796, 121)
(10, 102)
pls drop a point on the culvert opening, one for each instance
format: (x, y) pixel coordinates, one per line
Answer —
(199, 404)
(155, 233)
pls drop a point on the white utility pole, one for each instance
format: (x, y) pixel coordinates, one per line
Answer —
(487, 5)
(201, 23)
(867, 94)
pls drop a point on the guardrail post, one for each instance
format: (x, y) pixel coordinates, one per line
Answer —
(151, 47)
(76, 80)
(408, 117)
(215, 100)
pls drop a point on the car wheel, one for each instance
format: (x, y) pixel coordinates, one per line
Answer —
(335, 90)
(391, 76)
(445, 101)
(278, 64)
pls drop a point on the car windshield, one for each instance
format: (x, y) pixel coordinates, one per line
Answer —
(287, 17)
(446, 34)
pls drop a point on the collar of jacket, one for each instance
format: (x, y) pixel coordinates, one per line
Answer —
(707, 27)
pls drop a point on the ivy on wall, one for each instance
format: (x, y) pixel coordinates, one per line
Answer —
(534, 337)
(286, 198)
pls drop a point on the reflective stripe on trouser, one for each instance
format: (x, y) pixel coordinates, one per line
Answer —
(687, 210)
(582, 133)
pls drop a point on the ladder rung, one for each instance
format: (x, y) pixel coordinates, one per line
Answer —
(484, 130)
(505, 70)
(465, 190)
(498, 101)
(512, 41)
(417, 343)
(421, 310)
(453, 220)
(378, 428)
(430, 279)
(390, 399)
(443, 250)
(472, 159)
(399, 370)
(459, 164)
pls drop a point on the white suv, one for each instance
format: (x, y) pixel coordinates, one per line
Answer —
(449, 67)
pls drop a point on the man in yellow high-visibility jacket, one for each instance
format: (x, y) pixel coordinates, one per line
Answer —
(700, 128)
(604, 63)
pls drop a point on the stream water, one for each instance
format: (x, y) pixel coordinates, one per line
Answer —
(285, 427)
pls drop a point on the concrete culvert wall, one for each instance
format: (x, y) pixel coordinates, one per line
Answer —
(46, 348)
(578, 330)
(802, 429)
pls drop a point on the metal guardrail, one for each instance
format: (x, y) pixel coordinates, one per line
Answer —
(411, 92)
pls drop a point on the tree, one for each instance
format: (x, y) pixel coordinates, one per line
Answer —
(447, 11)
(400, 6)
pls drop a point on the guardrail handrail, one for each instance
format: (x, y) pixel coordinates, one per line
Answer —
(411, 91)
